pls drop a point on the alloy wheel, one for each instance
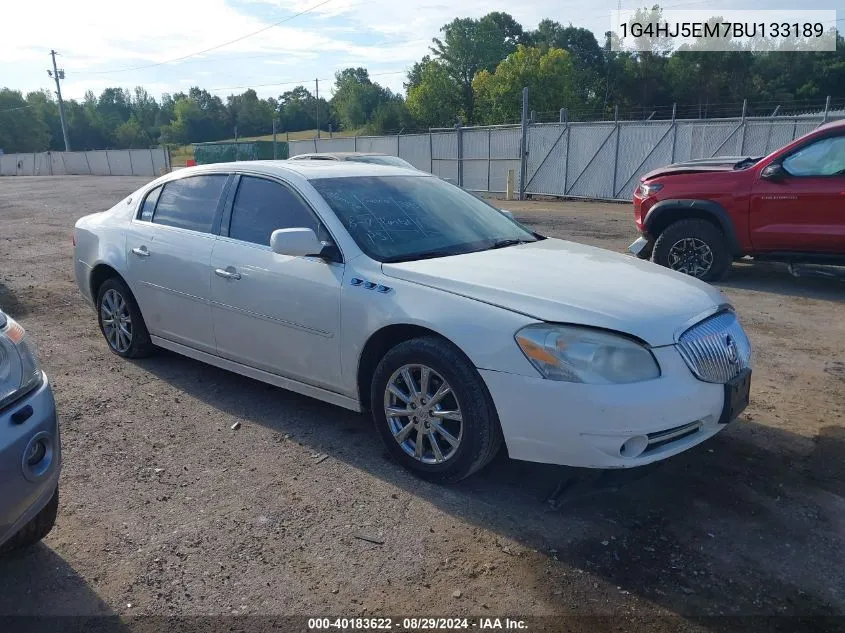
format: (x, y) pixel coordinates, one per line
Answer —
(423, 414)
(691, 256)
(116, 321)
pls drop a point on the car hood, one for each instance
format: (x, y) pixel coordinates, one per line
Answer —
(564, 282)
(701, 165)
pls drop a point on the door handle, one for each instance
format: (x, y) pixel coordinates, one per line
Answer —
(141, 251)
(226, 274)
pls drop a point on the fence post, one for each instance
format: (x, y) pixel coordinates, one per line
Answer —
(489, 155)
(533, 117)
(568, 131)
(674, 133)
(771, 125)
(616, 149)
(459, 136)
(153, 164)
(355, 143)
(430, 152)
(331, 133)
(563, 115)
(397, 143)
(523, 145)
(742, 129)
(108, 162)
(274, 138)
(826, 109)
(131, 167)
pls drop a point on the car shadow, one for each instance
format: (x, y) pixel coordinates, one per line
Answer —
(40, 591)
(775, 278)
(706, 533)
(10, 304)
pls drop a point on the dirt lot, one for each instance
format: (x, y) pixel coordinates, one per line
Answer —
(166, 510)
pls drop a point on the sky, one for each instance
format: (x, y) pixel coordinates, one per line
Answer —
(103, 43)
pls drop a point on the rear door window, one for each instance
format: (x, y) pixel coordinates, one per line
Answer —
(190, 203)
(149, 205)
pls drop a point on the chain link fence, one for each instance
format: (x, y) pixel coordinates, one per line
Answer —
(600, 160)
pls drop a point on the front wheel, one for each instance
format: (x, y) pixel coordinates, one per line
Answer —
(694, 247)
(433, 412)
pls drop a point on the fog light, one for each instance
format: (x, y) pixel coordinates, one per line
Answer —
(38, 457)
(634, 446)
(37, 451)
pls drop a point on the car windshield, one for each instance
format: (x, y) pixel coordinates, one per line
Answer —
(392, 161)
(404, 218)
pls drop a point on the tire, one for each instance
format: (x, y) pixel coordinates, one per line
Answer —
(479, 433)
(37, 528)
(140, 344)
(706, 249)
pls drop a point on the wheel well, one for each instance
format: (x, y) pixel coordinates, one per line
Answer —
(99, 275)
(670, 216)
(375, 349)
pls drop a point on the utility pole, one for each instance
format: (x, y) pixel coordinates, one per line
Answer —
(59, 74)
(317, 102)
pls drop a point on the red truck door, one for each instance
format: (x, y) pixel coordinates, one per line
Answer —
(798, 200)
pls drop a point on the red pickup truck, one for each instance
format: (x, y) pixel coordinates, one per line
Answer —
(697, 217)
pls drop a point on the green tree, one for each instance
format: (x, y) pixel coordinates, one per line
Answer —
(298, 111)
(588, 59)
(549, 76)
(389, 117)
(21, 129)
(130, 135)
(469, 46)
(252, 116)
(434, 97)
(47, 110)
(356, 97)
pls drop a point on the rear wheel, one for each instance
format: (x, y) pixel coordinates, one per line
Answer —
(433, 411)
(694, 247)
(37, 528)
(120, 320)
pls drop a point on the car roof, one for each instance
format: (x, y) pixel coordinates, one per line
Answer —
(338, 155)
(308, 169)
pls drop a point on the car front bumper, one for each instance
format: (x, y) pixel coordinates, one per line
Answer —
(641, 247)
(26, 489)
(606, 426)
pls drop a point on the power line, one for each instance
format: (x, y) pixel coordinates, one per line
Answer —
(211, 48)
(492, 29)
(300, 81)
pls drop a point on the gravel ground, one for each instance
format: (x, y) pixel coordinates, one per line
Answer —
(165, 510)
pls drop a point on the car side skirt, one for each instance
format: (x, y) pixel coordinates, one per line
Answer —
(258, 374)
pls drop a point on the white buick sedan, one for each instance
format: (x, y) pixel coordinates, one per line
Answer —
(389, 290)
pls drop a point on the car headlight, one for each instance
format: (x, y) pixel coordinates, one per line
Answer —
(579, 354)
(647, 189)
(19, 370)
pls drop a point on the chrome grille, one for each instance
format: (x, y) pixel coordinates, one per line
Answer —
(716, 349)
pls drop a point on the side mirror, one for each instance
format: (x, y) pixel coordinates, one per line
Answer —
(774, 172)
(296, 242)
(507, 214)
